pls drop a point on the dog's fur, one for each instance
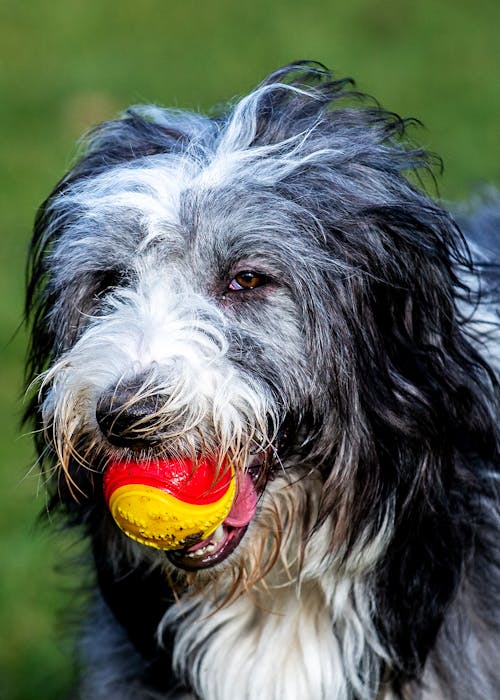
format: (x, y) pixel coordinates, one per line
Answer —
(357, 373)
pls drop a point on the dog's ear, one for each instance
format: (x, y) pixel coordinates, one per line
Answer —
(141, 132)
(421, 425)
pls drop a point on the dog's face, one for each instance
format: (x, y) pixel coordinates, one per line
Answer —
(182, 329)
(255, 287)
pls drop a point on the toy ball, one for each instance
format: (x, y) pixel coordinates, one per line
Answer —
(171, 503)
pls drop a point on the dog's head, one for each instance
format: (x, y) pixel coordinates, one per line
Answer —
(265, 286)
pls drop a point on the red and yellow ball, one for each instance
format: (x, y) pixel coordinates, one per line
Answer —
(169, 504)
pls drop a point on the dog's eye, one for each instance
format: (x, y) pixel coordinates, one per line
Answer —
(248, 279)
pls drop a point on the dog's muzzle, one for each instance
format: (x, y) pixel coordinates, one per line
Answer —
(196, 507)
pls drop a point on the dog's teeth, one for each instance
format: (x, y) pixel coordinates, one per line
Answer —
(202, 551)
(218, 535)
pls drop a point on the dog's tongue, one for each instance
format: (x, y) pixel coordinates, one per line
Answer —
(244, 504)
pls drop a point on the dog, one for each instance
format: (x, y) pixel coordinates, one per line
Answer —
(272, 285)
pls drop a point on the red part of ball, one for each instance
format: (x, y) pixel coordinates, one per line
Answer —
(201, 482)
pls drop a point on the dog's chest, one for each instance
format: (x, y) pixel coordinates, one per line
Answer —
(287, 643)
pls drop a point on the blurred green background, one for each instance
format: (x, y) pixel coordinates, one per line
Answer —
(68, 64)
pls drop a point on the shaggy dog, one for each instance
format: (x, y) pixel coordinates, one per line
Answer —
(272, 285)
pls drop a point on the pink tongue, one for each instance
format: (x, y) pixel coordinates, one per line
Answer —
(245, 503)
(243, 509)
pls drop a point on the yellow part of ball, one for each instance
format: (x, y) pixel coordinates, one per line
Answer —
(157, 519)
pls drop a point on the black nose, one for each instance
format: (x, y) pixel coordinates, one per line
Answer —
(128, 419)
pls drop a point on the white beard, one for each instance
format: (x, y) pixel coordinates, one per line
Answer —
(289, 637)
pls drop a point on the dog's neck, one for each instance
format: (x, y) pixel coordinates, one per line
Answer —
(257, 643)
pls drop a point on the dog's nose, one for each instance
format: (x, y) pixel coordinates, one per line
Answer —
(128, 420)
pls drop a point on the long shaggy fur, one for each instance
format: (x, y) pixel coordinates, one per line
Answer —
(356, 382)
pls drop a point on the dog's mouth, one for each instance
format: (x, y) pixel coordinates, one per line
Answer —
(196, 511)
(220, 544)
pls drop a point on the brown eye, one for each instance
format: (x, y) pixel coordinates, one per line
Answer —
(247, 280)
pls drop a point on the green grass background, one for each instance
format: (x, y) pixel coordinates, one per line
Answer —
(67, 64)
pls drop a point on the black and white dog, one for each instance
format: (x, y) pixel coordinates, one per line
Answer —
(272, 283)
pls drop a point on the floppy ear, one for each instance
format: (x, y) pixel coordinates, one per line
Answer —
(141, 132)
(55, 312)
(424, 398)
